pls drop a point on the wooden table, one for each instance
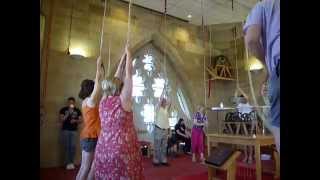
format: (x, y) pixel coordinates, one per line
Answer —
(257, 142)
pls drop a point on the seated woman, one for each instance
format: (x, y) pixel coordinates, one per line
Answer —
(183, 136)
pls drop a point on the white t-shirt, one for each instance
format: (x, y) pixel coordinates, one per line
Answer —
(244, 108)
(162, 118)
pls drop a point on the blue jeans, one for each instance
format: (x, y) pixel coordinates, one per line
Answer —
(160, 145)
(69, 142)
(274, 96)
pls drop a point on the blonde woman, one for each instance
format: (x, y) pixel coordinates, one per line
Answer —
(118, 155)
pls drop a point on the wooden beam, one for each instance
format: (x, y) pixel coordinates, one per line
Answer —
(222, 78)
(211, 72)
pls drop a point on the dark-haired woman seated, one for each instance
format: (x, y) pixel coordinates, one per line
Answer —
(183, 136)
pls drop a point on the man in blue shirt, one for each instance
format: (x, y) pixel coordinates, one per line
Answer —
(262, 37)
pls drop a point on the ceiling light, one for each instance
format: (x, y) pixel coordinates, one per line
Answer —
(189, 16)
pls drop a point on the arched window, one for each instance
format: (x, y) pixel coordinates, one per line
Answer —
(148, 84)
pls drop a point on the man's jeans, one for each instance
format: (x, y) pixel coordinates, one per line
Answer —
(160, 145)
(69, 142)
(274, 96)
(274, 93)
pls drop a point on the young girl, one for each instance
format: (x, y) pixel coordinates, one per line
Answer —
(197, 134)
(244, 110)
(118, 154)
(90, 93)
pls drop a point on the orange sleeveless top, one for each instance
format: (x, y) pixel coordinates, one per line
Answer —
(91, 119)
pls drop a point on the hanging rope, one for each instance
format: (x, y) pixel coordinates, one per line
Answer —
(101, 36)
(236, 59)
(210, 45)
(128, 37)
(69, 36)
(165, 44)
(102, 27)
(204, 57)
(210, 62)
(165, 47)
(129, 22)
(232, 4)
(109, 57)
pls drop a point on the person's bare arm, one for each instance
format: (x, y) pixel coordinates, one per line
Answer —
(126, 94)
(205, 122)
(120, 70)
(253, 43)
(169, 99)
(63, 115)
(266, 77)
(202, 124)
(159, 103)
(168, 103)
(180, 133)
(197, 123)
(96, 93)
(264, 88)
(62, 118)
(188, 132)
(79, 121)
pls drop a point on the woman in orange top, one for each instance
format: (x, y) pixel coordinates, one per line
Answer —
(90, 93)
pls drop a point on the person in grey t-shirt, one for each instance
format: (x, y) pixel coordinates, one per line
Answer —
(262, 38)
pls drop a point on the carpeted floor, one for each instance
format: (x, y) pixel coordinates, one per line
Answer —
(181, 168)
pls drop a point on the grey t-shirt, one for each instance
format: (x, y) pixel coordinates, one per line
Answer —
(267, 14)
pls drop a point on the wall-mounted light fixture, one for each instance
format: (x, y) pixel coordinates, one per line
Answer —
(77, 53)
